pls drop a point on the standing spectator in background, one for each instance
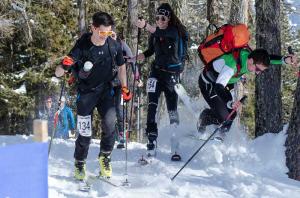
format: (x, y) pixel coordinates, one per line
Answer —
(65, 120)
(47, 113)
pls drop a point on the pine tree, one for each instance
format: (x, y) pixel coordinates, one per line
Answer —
(268, 112)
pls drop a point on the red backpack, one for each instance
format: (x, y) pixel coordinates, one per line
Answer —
(225, 39)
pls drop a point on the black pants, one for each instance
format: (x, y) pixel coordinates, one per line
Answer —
(218, 106)
(103, 101)
(165, 83)
(119, 109)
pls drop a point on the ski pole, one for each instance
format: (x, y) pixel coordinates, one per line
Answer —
(215, 131)
(56, 116)
(133, 68)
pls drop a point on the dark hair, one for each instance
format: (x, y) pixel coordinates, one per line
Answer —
(102, 18)
(174, 20)
(260, 56)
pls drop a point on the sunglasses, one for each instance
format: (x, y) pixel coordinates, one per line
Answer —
(162, 18)
(49, 101)
(105, 33)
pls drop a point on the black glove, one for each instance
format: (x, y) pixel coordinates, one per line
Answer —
(222, 92)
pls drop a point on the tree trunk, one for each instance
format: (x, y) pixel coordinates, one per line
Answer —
(81, 17)
(268, 108)
(211, 14)
(132, 29)
(238, 14)
(151, 11)
(293, 140)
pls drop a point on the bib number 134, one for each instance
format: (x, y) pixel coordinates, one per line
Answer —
(84, 125)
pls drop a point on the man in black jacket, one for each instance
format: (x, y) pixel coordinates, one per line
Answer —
(96, 59)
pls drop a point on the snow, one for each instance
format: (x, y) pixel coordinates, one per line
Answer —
(55, 80)
(21, 89)
(21, 74)
(239, 167)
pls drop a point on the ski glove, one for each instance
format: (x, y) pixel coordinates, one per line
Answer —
(222, 92)
(127, 95)
(67, 62)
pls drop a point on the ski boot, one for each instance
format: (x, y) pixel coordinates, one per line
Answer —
(221, 134)
(122, 140)
(105, 165)
(151, 148)
(79, 173)
(206, 118)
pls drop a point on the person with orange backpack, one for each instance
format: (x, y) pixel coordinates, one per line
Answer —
(226, 61)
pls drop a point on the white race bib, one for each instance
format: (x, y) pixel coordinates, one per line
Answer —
(84, 125)
(151, 85)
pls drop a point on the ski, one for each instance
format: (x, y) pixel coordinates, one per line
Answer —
(120, 145)
(194, 137)
(84, 186)
(91, 179)
(149, 155)
(142, 161)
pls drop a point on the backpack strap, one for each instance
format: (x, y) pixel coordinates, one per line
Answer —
(112, 52)
(236, 55)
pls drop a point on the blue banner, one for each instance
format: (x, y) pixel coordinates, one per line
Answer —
(24, 170)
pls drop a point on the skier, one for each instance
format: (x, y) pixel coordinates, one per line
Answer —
(217, 82)
(96, 58)
(65, 120)
(168, 42)
(127, 54)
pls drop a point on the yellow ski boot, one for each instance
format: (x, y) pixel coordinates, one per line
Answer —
(105, 166)
(79, 173)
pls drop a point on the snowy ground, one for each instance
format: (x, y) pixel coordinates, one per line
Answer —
(237, 168)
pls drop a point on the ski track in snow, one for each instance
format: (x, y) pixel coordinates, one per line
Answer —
(236, 168)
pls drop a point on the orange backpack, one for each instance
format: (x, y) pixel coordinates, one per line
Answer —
(226, 39)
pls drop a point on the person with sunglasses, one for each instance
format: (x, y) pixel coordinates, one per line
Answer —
(168, 41)
(217, 83)
(96, 59)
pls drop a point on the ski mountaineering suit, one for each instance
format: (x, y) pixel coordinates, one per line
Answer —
(217, 83)
(165, 73)
(94, 90)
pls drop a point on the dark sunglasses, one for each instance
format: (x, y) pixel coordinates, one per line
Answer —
(162, 18)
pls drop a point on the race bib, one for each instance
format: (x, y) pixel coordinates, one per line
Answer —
(84, 125)
(151, 85)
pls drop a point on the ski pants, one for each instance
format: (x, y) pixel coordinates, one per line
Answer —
(219, 106)
(101, 98)
(119, 109)
(160, 81)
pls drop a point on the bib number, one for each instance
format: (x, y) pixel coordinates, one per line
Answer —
(84, 125)
(151, 85)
